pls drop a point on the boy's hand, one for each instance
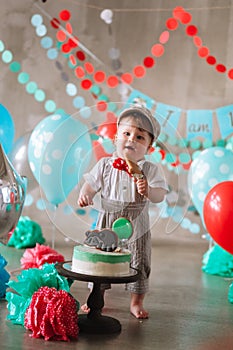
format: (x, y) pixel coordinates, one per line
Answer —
(142, 187)
(85, 200)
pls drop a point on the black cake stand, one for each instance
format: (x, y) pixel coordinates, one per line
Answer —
(94, 322)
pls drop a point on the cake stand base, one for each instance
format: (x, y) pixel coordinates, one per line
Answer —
(100, 325)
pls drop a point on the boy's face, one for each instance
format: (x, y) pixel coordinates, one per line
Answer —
(132, 142)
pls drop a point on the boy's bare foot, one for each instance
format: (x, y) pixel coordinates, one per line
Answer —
(138, 312)
(136, 306)
(85, 308)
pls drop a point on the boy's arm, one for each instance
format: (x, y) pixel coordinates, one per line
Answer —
(86, 195)
(154, 194)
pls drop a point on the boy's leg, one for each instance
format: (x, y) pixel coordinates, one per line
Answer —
(141, 260)
(136, 306)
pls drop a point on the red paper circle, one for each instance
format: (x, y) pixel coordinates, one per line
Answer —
(89, 67)
(163, 153)
(221, 68)
(211, 60)
(203, 51)
(73, 42)
(80, 55)
(187, 165)
(99, 77)
(79, 72)
(148, 62)
(171, 23)
(164, 37)
(185, 18)
(64, 15)
(112, 81)
(101, 106)
(66, 48)
(178, 12)
(197, 41)
(127, 78)
(157, 50)
(61, 36)
(191, 30)
(139, 71)
(175, 164)
(69, 28)
(72, 60)
(86, 84)
(230, 73)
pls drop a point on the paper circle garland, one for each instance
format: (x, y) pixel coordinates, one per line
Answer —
(157, 50)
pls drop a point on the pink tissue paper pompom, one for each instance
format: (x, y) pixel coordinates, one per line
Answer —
(41, 254)
(53, 315)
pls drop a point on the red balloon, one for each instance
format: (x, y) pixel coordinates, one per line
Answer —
(109, 127)
(218, 214)
(99, 150)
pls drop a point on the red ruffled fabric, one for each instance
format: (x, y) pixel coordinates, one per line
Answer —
(41, 254)
(121, 164)
(52, 314)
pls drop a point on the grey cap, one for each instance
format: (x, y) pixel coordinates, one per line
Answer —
(155, 126)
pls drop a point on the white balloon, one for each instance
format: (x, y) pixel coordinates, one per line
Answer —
(106, 15)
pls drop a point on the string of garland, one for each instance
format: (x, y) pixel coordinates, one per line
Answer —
(179, 15)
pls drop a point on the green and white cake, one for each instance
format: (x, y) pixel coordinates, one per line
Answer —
(92, 261)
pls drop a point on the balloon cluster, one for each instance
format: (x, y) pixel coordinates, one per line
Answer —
(210, 182)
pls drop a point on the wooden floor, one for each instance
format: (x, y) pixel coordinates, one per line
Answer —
(189, 309)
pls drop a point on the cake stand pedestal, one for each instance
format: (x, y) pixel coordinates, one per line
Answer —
(94, 322)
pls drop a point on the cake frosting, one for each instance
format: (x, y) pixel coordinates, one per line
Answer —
(92, 261)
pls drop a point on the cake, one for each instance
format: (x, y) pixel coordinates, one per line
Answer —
(96, 262)
(100, 255)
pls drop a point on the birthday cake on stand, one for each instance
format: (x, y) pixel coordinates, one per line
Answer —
(102, 254)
